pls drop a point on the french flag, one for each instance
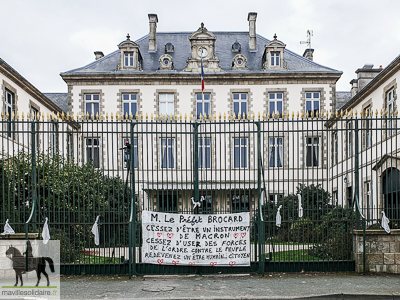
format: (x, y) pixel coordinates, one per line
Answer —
(202, 77)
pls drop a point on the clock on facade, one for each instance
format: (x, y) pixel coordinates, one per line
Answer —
(202, 52)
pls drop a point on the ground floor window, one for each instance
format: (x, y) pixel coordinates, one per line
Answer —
(240, 201)
(167, 202)
(93, 151)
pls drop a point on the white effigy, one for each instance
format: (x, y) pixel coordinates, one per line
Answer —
(196, 240)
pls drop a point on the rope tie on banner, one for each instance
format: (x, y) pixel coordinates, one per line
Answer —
(385, 222)
(300, 206)
(278, 217)
(46, 232)
(95, 231)
(8, 229)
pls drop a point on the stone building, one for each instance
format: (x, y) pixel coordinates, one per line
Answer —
(246, 74)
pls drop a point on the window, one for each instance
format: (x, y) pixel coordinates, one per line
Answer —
(390, 107)
(312, 152)
(169, 47)
(70, 145)
(204, 153)
(240, 104)
(240, 202)
(127, 153)
(275, 103)
(275, 152)
(312, 103)
(128, 59)
(275, 197)
(335, 198)
(167, 153)
(349, 143)
(167, 202)
(34, 114)
(130, 104)
(206, 204)
(93, 151)
(92, 102)
(9, 109)
(335, 148)
(203, 105)
(368, 127)
(368, 199)
(240, 153)
(54, 137)
(166, 102)
(349, 197)
(274, 58)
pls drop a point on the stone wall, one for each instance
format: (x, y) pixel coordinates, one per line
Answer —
(382, 251)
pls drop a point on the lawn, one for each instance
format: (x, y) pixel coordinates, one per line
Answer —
(292, 255)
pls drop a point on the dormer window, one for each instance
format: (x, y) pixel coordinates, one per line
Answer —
(128, 59)
(274, 55)
(169, 48)
(236, 47)
(274, 58)
(166, 62)
(239, 62)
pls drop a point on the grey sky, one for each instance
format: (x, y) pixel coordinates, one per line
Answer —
(42, 38)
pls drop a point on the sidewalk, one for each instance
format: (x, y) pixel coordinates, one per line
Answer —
(271, 286)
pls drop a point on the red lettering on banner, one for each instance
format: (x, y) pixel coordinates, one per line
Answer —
(236, 235)
(159, 234)
(170, 235)
(243, 234)
(160, 261)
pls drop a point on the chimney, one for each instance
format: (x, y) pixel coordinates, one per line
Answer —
(98, 54)
(308, 53)
(153, 20)
(252, 17)
(354, 87)
(366, 74)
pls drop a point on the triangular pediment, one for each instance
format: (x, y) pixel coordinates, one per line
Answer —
(275, 43)
(128, 44)
(202, 34)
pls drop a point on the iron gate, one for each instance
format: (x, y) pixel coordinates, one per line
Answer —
(344, 170)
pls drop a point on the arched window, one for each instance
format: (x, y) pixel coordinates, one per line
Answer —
(391, 193)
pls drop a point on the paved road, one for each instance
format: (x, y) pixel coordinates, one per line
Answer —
(271, 286)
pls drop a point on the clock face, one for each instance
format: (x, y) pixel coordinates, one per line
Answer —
(202, 52)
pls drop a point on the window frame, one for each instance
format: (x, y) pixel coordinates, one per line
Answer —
(172, 154)
(240, 101)
(335, 148)
(167, 102)
(312, 102)
(274, 100)
(242, 201)
(368, 127)
(202, 155)
(130, 102)
(128, 59)
(275, 58)
(349, 139)
(34, 112)
(92, 146)
(276, 147)
(243, 159)
(92, 102)
(54, 136)
(9, 108)
(312, 145)
(202, 101)
(390, 105)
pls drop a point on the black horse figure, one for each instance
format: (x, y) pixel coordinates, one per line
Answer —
(37, 264)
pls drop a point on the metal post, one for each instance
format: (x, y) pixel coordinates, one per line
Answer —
(132, 221)
(196, 165)
(260, 225)
(34, 196)
(356, 174)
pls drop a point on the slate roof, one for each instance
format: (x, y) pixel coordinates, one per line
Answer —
(342, 98)
(182, 51)
(59, 99)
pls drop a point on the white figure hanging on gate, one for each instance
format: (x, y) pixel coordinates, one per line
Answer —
(8, 229)
(385, 222)
(278, 217)
(195, 204)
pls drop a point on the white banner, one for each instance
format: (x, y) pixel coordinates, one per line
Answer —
(202, 240)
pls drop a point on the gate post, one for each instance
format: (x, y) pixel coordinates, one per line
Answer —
(260, 223)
